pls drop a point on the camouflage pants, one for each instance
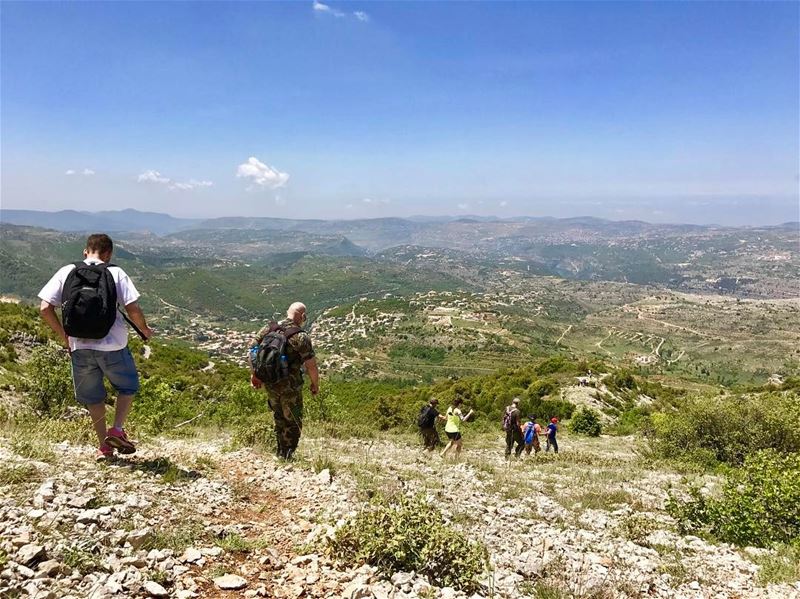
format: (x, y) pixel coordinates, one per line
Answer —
(287, 409)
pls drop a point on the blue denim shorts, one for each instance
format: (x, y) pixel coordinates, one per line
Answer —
(89, 366)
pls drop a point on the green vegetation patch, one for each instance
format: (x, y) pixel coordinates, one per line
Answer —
(782, 565)
(402, 534)
(759, 504)
(586, 422)
(425, 353)
(728, 428)
(17, 474)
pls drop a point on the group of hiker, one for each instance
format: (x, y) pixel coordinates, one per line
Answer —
(97, 298)
(524, 435)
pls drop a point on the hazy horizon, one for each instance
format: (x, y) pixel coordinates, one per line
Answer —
(421, 217)
(662, 112)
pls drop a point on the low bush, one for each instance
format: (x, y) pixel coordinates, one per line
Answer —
(726, 428)
(258, 431)
(759, 504)
(48, 383)
(637, 527)
(586, 422)
(403, 534)
(630, 421)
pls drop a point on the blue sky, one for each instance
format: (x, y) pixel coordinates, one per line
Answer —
(672, 111)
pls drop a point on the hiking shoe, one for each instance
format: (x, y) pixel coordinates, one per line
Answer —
(105, 452)
(117, 439)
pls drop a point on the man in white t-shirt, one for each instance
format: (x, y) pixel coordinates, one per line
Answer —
(109, 357)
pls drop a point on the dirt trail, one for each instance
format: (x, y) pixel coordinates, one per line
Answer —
(641, 316)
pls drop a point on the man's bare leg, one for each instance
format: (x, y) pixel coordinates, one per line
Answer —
(124, 403)
(98, 413)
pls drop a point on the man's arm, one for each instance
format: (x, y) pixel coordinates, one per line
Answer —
(313, 373)
(48, 312)
(137, 317)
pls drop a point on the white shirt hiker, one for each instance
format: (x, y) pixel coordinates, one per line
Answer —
(117, 337)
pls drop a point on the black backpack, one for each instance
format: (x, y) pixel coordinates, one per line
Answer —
(426, 418)
(89, 301)
(271, 364)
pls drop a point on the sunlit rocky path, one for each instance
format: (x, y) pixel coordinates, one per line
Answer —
(189, 518)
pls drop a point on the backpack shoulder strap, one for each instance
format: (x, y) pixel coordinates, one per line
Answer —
(291, 332)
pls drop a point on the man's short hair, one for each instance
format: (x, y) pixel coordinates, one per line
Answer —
(99, 243)
(295, 308)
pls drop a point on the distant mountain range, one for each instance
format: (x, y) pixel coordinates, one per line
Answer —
(111, 221)
(458, 232)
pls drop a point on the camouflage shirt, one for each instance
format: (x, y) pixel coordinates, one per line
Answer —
(298, 350)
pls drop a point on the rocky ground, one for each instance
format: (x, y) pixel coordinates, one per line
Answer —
(190, 518)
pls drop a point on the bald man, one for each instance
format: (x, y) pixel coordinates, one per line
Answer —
(285, 398)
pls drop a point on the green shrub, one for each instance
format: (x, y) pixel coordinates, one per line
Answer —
(586, 422)
(556, 364)
(541, 387)
(759, 504)
(637, 527)
(49, 380)
(258, 431)
(726, 428)
(630, 421)
(402, 534)
(324, 407)
(621, 380)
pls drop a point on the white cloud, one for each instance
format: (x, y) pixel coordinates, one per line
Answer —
(192, 184)
(381, 202)
(324, 8)
(463, 206)
(503, 204)
(153, 176)
(361, 16)
(279, 201)
(262, 175)
(87, 172)
(348, 206)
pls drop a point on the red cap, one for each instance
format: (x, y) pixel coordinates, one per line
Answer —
(554, 420)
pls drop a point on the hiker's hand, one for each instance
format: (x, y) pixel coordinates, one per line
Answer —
(255, 381)
(65, 344)
(314, 388)
(148, 332)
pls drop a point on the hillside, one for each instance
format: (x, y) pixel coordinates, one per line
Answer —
(181, 514)
(744, 262)
(202, 506)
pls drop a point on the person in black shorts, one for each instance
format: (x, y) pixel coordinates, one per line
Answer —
(453, 427)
